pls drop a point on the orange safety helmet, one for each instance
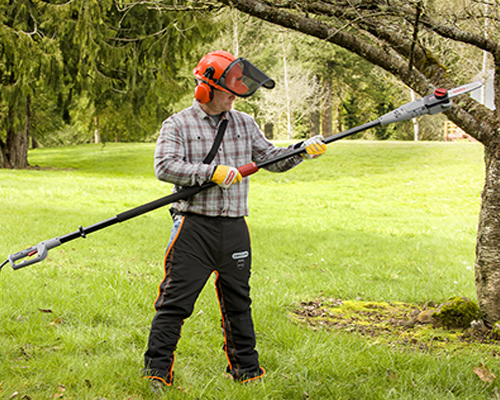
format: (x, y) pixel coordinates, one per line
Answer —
(221, 70)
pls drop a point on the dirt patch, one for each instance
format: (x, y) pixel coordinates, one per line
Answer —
(409, 326)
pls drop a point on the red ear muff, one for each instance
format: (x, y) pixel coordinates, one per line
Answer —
(203, 93)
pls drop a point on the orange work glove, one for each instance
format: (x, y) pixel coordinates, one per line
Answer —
(225, 176)
(314, 147)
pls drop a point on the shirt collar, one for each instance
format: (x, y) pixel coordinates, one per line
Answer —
(202, 114)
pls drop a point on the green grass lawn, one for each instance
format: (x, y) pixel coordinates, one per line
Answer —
(393, 221)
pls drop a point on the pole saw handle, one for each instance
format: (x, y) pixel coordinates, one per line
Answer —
(248, 169)
(38, 253)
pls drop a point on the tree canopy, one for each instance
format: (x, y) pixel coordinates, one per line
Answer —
(91, 64)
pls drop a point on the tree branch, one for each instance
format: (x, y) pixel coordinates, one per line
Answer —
(427, 73)
(415, 35)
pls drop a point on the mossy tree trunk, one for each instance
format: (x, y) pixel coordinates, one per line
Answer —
(488, 239)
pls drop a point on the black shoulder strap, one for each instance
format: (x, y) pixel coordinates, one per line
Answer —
(211, 154)
(218, 139)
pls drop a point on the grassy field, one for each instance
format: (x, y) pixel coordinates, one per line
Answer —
(369, 220)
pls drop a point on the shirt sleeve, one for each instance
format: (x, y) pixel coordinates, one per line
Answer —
(170, 158)
(264, 150)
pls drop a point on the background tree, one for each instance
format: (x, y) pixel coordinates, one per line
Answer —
(81, 67)
(420, 43)
(129, 59)
(30, 68)
(298, 93)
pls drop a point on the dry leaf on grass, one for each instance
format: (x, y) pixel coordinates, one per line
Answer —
(56, 322)
(484, 374)
(62, 389)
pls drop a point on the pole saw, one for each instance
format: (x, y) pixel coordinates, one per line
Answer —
(432, 104)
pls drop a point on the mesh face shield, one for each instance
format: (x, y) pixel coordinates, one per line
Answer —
(242, 78)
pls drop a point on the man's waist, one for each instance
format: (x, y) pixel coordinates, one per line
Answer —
(192, 211)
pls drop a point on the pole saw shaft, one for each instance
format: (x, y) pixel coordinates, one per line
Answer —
(39, 252)
(432, 104)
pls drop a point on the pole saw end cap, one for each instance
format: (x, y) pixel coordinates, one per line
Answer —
(441, 93)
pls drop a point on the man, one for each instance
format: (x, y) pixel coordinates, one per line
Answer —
(210, 234)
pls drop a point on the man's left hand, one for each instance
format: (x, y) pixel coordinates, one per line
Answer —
(314, 147)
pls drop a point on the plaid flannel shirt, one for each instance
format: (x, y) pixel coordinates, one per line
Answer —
(187, 137)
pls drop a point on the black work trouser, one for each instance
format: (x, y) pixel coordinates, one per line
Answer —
(202, 246)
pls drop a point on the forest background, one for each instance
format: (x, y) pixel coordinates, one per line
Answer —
(101, 71)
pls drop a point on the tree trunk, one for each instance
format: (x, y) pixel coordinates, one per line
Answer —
(236, 38)
(315, 123)
(314, 117)
(327, 120)
(3, 161)
(287, 91)
(15, 149)
(416, 124)
(487, 269)
(97, 131)
(268, 130)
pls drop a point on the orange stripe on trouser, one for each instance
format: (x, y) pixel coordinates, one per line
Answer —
(239, 336)
(165, 375)
(202, 246)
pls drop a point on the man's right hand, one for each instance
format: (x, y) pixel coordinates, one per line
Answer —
(225, 176)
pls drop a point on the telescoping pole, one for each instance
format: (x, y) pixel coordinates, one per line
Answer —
(432, 104)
